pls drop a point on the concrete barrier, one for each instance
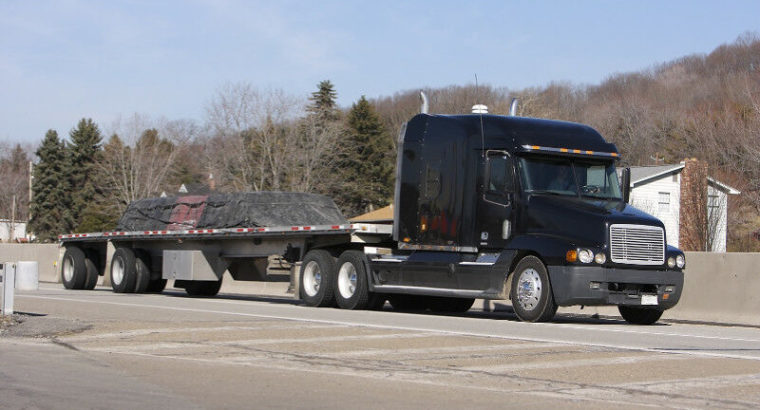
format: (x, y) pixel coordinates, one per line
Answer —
(719, 287)
(46, 255)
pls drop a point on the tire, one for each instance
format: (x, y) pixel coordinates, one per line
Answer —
(452, 305)
(639, 315)
(352, 283)
(123, 272)
(408, 303)
(142, 271)
(156, 286)
(532, 298)
(74, 268)
(317, 279)
(203, 288)
(92, 272)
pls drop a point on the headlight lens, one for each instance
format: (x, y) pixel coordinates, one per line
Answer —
(671, 262)
(600, 258)
(585, 256)
(680, 261)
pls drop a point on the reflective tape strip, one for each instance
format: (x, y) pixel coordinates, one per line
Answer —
(570, 150)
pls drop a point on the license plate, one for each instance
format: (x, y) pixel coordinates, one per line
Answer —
(648, 299)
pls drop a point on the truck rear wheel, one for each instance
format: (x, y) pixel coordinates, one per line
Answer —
(532, 298)
(123, 271)
(317, 281)
(351, 285)
(203, 287)
(74, 268)
(639, 315)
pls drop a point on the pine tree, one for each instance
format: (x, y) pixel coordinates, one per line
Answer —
(323, 103)
(83, 153)
(368, 167)
(50, 195)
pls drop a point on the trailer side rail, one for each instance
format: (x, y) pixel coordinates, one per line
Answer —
(222, 233)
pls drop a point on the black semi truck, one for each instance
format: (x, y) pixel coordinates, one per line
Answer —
(486, 206)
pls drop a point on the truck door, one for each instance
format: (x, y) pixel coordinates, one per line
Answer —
(494, 217)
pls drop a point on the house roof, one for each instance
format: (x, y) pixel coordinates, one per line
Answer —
(641, 174)
(378, 215)
(723, 187)
(649, 173)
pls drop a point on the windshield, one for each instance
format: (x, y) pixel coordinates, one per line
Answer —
(569, 177)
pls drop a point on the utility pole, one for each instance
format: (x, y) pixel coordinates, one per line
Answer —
(29, 206)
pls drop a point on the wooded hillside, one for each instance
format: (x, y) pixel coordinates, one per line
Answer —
(698, 106)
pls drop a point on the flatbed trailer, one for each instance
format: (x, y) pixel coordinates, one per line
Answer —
(195, 259)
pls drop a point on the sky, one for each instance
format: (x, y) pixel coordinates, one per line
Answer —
(63, 60)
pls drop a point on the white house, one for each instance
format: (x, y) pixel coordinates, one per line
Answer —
(12, 230)
(658, 191)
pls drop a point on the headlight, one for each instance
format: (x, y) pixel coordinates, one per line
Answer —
(680, 261)
(585, 256)
(671, 262)
(600, 258)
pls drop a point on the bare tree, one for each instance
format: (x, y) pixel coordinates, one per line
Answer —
(252, 137)
(139, 157)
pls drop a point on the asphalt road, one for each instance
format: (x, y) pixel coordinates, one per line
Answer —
(97, 349)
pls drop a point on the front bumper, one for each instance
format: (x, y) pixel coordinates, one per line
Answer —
(572, 285)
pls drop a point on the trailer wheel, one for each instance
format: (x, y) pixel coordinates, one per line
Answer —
(532, 297)
(92, 272)
(318, 278)
(640, 316)
(74, 268)
(453, 305)
(142, 271)
(351, 285)
(123, 275)
(203, 288)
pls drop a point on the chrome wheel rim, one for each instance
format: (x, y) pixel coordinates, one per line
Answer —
(68, 269)
(312, 278)
(529, 288)
(347, 280)
(117, 271)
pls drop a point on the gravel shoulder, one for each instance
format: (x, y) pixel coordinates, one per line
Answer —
(32, 325)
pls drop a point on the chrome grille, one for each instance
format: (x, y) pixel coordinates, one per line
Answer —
(637, 244)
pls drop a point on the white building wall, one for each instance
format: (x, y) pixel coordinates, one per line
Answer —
(646, 197)
(19, 230)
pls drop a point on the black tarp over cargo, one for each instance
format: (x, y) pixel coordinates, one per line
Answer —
(234, 210)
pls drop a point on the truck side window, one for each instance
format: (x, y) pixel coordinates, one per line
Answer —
(499, 177)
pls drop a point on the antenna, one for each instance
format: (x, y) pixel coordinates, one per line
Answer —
(480, 112)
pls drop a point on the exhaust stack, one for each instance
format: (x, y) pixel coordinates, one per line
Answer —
(424, 105)
(513, 107)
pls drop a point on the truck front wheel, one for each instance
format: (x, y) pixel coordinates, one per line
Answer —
(640, 316)
(317, 281)
(532, 297)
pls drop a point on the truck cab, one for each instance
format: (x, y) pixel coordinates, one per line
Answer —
(530, 210)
